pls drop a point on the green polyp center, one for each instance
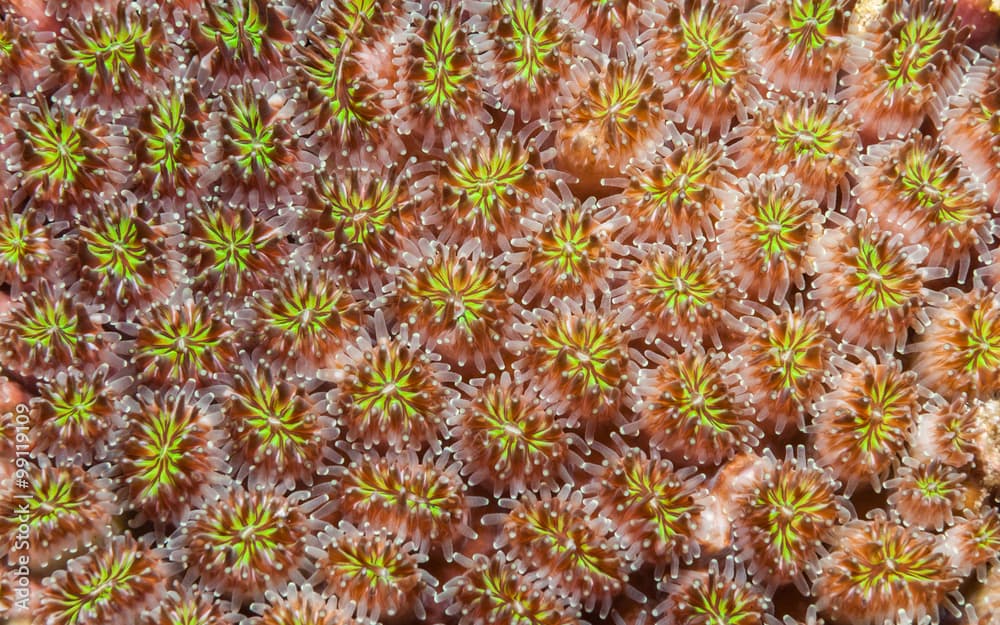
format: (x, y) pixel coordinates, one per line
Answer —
(182, 342)
(275, 419)
(570, 247)
(163, 439)
(919, 39)
(243, 22)
(164, 142)
(893, 566)
(720, 603)
(15, 238)
(6, 43)
(52, 500)
(932, 487)
(118, 248)
(506, 428)
(306, 311)
(793, 511)
(878, 278)
(374, 567)
(710, 51)
(50, 326)
(877, 426)
(699, 400)
(791, 352)
(484, 178)
(777, 225)
(391, 386)
(809, 22)
(533, 40)
(231, 243)
(458, 291)
(803, 133)
(250, 534)
(255, 139)
(658, 497)
(982, 349)
(929, 180)
(444, 69)
(683, 182)
(97, 588)
(680, 285)
(589, 349)
(113, 49)
(59, 146)
(619, 98)
(76, 405)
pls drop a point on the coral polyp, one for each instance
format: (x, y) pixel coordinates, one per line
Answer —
(236, 37)
(179, 339)
(567, 248)
(862, 425)
(959, 353)
(66, 159)
(455, 298)
(306, 313)
(231, 251)
(391, 391)
(112, 57)
(170, 455)
(800, 45)
(373, 570)
(577, 354)
(276, 428)
(870, 283)
(26, 244)
(700, 46)
(168, 142)
(785, 516)
(47, 328)
(560, 537)
(718, 595)
(490, 185)
(651, 503)
(422, 500)
(674, 194)
(690, 405)
(499, 312)
(491, 590)
(884, 572)
(916, 55)
(768, 228)
(62, 509)
(510, 439)
(684, 294)
(77, 411)
(439, 82)
(112, 583)
(925, 494)
(785, 361)
(530, 48)
(614, 110)
(242, 543)
(814, 138)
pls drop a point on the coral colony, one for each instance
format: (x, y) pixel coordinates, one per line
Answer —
(499, 312)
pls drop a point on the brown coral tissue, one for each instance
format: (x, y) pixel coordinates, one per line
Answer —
(499, 312)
